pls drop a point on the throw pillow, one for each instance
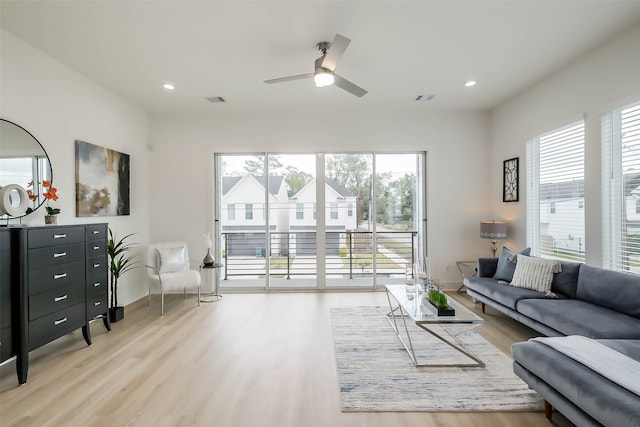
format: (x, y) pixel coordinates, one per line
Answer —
(535, 273)
(506, 266)
(171, 259)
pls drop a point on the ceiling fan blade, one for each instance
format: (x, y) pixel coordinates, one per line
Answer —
(348, 86)
(335, 52)
(289, 78)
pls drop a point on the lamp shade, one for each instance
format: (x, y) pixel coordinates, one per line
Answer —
(493, 230)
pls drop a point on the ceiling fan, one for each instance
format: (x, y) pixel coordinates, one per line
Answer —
(324, 74)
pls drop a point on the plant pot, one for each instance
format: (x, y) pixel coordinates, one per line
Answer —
(116, 314)
(438, 310)
(51, 219)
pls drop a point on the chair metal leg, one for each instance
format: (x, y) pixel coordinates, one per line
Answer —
(162, 302)
(149, 297)
(198, 295)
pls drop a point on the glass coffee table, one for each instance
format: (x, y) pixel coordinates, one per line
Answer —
(408, 307)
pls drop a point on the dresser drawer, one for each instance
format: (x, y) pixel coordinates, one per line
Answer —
(56, 277)
(96, 267)
(96, 248)
(53, 236)
(97, 232)
(55, 255)
(97, 305)
(55, 300)
(97, 284)
(55, 325)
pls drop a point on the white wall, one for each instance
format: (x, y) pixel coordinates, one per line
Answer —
(58, 106)
(608, 76)
(181, 164)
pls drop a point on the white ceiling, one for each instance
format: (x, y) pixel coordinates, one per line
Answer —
(399, 50)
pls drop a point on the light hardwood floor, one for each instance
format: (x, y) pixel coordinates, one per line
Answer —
(254, 360)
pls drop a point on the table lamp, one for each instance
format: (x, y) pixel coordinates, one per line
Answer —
(493, 230)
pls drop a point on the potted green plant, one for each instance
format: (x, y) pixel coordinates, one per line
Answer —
(121, 260)
(436, 300)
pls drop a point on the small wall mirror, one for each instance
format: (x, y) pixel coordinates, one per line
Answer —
(23, 163)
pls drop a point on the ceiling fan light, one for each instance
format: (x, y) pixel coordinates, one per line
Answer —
(323, 77)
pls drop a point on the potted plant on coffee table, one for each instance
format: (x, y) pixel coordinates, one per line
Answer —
(121, 260)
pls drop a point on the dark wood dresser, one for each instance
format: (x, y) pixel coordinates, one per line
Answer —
(60, 285)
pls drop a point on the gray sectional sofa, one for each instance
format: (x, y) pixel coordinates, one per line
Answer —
(589, 301)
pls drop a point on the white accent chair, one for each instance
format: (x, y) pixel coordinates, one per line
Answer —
(169, 268)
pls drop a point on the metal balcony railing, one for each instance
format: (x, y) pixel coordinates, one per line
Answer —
(349, 254)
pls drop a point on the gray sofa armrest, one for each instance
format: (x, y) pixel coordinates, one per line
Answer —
(487, 267)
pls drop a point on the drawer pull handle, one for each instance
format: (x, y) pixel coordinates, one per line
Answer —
(97, 303)
(57, 322)
(62, 298)
(95, 285)
(96, 231)
(59, 254)
(59, 236)
(96, 265)
(59, 276)
(95, 248)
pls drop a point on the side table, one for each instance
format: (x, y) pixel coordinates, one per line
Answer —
(215, 295)
(466, 265)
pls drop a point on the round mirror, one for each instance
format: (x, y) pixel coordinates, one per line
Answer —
(24, 165)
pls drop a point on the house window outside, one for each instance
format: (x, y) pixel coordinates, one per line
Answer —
(621, 188)
(231, 211)
(299, 210)
(333, 211)
(248, 211)
(555, 180)
(580, 204)
(350, 210)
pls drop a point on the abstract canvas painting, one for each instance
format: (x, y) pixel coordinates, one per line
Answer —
(102, 181)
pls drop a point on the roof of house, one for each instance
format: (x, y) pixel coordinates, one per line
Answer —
(275, 182)
(342, 192)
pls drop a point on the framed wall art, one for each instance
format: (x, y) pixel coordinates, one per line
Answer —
(102, 181)
(510, 175)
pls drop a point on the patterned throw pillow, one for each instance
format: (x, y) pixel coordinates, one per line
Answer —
(535, 273)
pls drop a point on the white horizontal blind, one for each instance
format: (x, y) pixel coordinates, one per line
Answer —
(621, 188)
(555, 200)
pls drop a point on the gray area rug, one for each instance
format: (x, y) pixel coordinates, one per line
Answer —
(375, 372)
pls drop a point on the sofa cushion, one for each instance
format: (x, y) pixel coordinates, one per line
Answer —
(576, 317)
(565, 282)
(506, 267)
(503, 294)
(534, 273)
(612, 289)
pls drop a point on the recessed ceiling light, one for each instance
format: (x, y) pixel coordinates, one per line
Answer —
(470, 83)
(168, 86)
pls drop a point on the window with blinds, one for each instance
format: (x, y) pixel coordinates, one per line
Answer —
(621, 188)
(555, 193)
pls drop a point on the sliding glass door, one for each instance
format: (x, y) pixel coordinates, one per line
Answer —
(302, 221)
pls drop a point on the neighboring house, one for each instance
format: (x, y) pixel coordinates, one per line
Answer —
(562, 211)
(292, 222)
(243, 213)
(340, 216)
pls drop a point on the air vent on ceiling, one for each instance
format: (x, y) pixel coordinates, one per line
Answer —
(424, 97)
(215, 99)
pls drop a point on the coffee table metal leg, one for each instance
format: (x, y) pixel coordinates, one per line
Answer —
(460, 348)
(391, 317)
